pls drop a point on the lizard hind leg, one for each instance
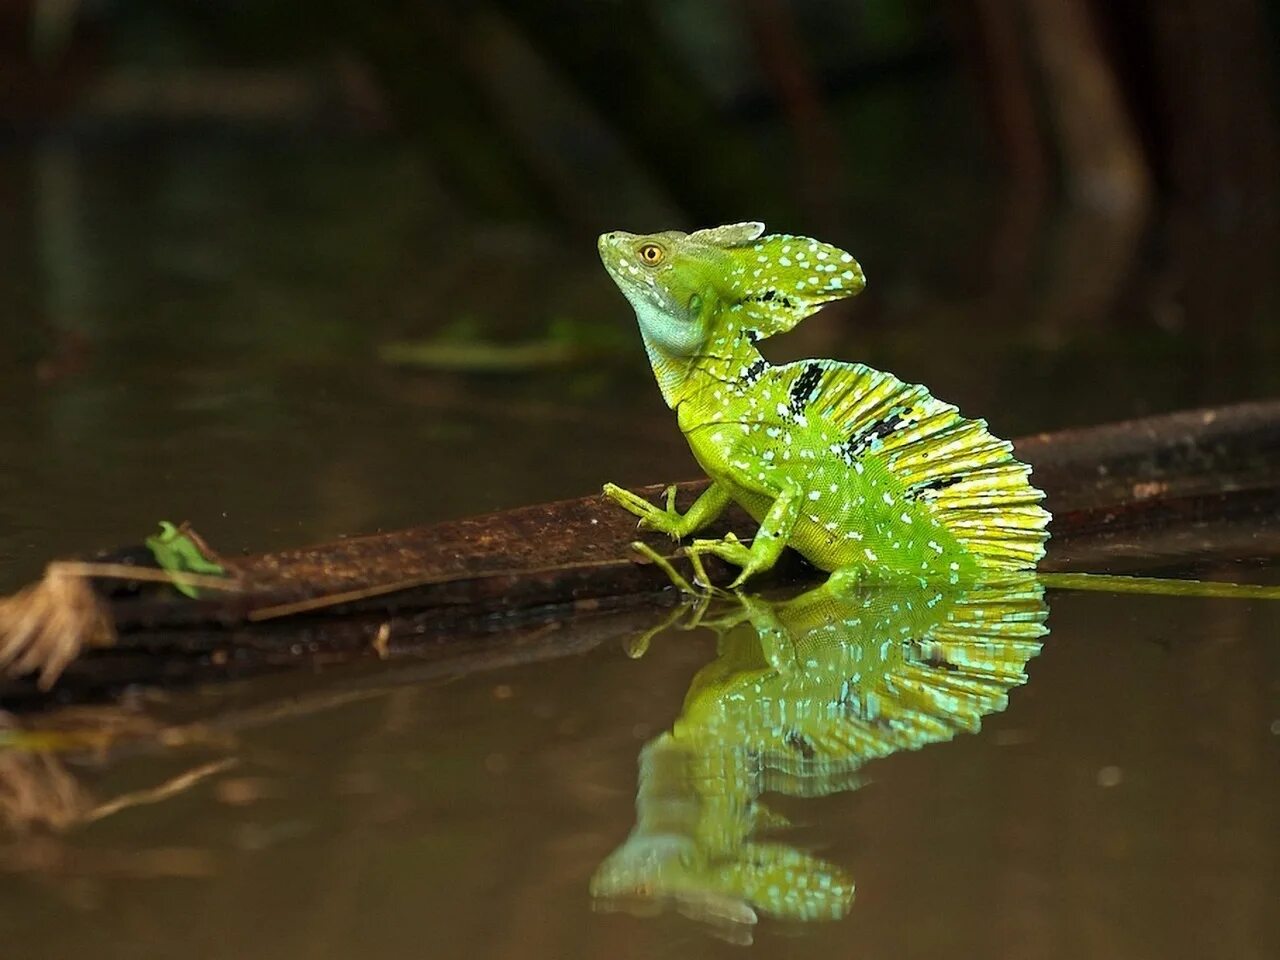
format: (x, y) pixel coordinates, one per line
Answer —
(702, 592)
(775, 530)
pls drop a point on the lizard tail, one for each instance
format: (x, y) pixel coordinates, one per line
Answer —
(962, 476)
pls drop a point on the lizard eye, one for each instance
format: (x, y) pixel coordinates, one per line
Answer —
(651, 254)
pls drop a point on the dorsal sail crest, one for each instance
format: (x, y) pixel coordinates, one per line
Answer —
(968, 479)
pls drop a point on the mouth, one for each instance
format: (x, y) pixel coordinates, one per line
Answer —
(615, 254)
(611, 246)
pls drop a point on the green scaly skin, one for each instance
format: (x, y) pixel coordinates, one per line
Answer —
(855, 469)
(861, 473)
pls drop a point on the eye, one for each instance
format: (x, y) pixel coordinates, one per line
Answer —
(651, 254)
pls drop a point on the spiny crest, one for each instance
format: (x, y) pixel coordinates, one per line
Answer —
(779, 280)
(729, 235)
(969, 480)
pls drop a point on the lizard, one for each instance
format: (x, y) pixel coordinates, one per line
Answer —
(859, 472)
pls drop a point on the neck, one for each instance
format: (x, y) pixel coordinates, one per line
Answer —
(672, 373)
(728, 358)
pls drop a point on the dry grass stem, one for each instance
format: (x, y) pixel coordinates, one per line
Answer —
(44, 627)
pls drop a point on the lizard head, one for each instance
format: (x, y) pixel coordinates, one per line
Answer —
(685, 287)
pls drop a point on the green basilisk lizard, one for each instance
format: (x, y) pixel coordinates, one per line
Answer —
(855, 469)
(866, 476)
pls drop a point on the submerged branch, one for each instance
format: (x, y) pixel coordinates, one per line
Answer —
(1126, 496)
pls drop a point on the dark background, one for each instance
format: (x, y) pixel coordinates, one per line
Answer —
(214, 217)
(218, 214)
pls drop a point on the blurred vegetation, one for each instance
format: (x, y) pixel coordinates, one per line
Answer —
(1067, 210)
(949, 132)
(531, 107)
(217, 212)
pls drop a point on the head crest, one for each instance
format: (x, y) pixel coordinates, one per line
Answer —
(779, 280)
(729, 235)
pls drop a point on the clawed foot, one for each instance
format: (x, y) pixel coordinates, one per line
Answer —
(729, 549)
(703, 587)
(675, 525)
(667, 521)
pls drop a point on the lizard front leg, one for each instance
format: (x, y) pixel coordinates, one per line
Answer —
(775, 530)
(670, 521)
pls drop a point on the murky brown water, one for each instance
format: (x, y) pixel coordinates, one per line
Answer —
(183, 348)
(1123, 805)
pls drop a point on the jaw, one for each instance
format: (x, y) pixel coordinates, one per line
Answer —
(670, 336)
(638, 285)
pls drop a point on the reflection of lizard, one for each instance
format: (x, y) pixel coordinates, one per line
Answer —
(855, 469)
(801, 694)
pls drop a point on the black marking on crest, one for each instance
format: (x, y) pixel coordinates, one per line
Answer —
(938, 661)
(770, 296)
(755, 371)
(937, 484)
(858, 443)
(800, 743)
(803, 386)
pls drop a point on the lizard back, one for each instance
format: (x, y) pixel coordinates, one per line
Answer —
(893, 482)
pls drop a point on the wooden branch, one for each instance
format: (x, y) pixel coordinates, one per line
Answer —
(1111, 488)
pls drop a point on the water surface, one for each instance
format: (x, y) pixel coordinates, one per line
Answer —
(193, 335)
